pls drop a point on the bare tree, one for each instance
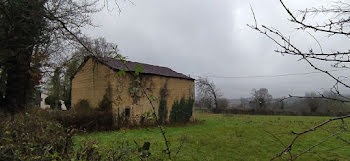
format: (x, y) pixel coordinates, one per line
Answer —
(98, 47)
(208, 91)
(336, 22)
(261, 98)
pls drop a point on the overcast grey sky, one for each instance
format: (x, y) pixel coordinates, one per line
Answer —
(211, 38)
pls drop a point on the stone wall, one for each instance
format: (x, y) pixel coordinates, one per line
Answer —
(94, 78)
(90, 83)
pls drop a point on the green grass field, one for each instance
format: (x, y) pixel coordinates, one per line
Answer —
(235, 137)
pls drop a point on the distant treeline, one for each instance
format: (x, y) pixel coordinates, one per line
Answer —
(311, 104)
(266, 112)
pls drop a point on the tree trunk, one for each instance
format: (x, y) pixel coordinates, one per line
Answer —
(216, 101)
(17, 82)
(2, 86)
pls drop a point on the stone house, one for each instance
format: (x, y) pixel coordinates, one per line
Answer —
(98, 78)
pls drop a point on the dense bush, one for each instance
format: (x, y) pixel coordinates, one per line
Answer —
(53, 101)
(83, 117)
(181, 111)
(91, 150)
(33, 136)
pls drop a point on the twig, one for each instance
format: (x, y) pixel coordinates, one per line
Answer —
(294, 19)
(285, 46)
(255, 22)
(316, 97)
(180, 147)
(297, 135)
(315, 145)
(280, 141)
(154, 114)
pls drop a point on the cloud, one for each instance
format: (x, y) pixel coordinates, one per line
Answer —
(205, 37)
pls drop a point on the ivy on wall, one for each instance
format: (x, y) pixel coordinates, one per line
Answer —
(163, 110)
(134, 89)
(106, 102)
(138, 82)
(181, 111)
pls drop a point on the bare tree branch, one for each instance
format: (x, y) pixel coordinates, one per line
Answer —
(338, 24)
(298, 134)
(317, 97)
(317, 144)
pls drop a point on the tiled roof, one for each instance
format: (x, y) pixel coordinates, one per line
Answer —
(147, 68)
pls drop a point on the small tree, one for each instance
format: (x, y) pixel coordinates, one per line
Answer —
(208, 91)
(56, 87)
(312, 101)
(71, 68)
(261, 98)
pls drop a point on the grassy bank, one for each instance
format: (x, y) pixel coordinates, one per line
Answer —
(234, 137)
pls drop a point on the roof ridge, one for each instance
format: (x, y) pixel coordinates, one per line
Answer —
(148, 68)
(141, 63)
